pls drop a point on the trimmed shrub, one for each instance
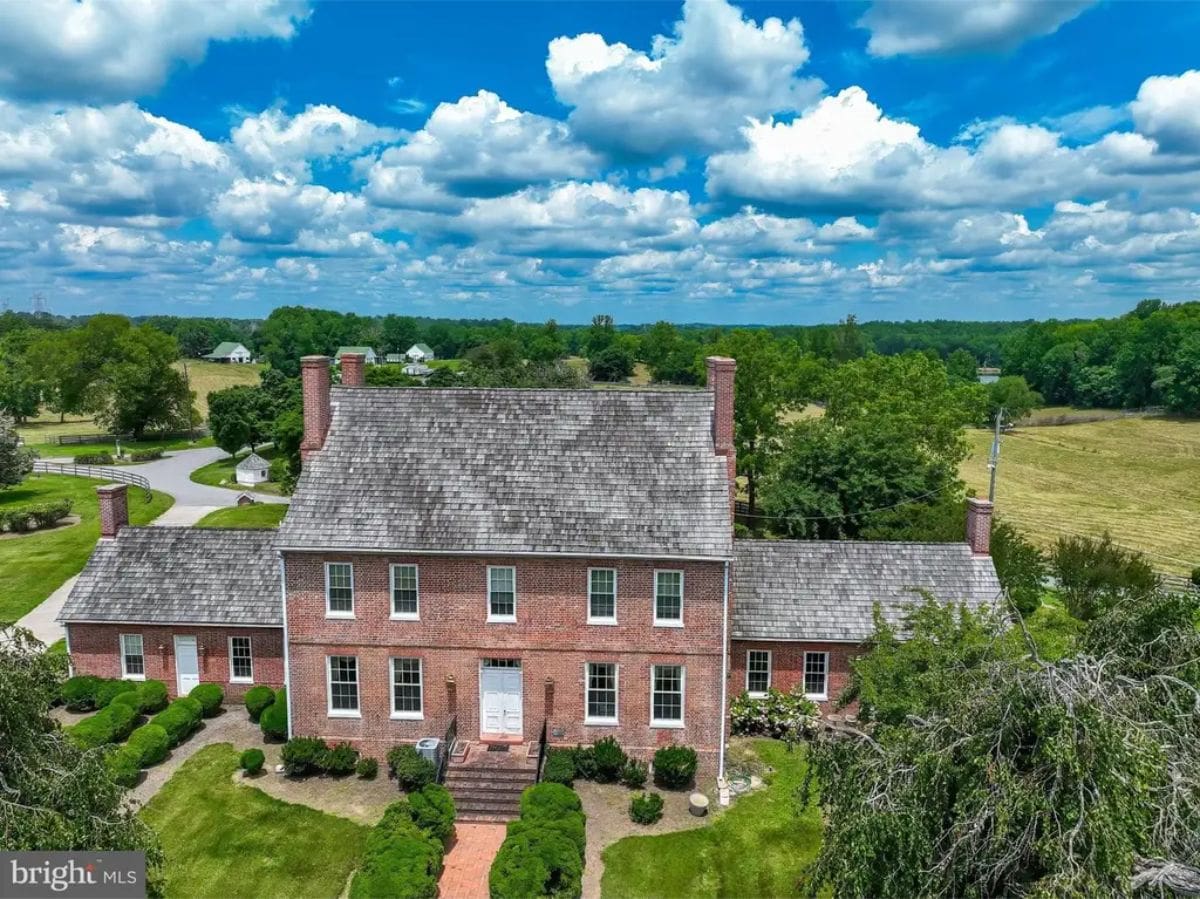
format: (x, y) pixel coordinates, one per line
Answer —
(367, 768)
(110, 689)
(399, 860)
(145, 455)
(210, 697)
(252, 761)
(79, 693)
(257, 700)
(610, 758)
(178, 719)
(109, 725)
(646, 808)
(411, 769)
(151, 743)
(123, 766)
(129, 698)
(585, 762)
(674, 767)
(46, 515)
(559, 767)
(152, 696)
(193, 705)
(338, 760)
(538, 862)
(634, 774)
(274, 718)
(432, 809)
(302, 756)
(547, 800)
(94, 459)
(778, 714)
(572, 825)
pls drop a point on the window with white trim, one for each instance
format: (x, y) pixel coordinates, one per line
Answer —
(241, 660)
(668, 598)
(133, 658)
(816, 675)
(339, 589)
(343, 686)
(601, 707)
(406, 689)
(758, 671)
(666, 696)
(602, 596)
(502, 593)
(405, 594)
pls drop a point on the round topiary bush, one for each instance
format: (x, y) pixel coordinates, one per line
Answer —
(79, 693)
(432, 809)
(151, 742)
(178, 719)
(674, 767)
(338, 760)
(367, 768)
(110, 689)
(129, 698)
(547, 800)
(111, 724)
(536, 862)
(610, 758)
(152, 696)
(193, 705)
(400, 862)
(257, 700)
(646, 808)
(559, 767)
(411, 769)
(210, 697)
(274, 718)
(634, 774)
(572, 825)
(252, 761)
(123, 766)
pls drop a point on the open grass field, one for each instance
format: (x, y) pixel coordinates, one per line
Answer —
(1138, 478)
(759, 847)
(205, 377)
(225, 839)
(259, 515)
(33, 566)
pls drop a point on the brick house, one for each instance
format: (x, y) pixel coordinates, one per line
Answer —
(505, 561)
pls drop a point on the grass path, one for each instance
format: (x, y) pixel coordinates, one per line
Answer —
(1139, 478)
(259, 515)
(759, 847)
(231, 840)
(35, 565)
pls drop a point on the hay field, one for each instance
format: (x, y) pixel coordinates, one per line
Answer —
(205, 377)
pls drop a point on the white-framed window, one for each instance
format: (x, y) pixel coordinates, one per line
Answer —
(668, 599)
(758, 671)
(600, 693)
(502, 593)
(407, 699)
(241, 661)
(406, 600)
(666, 695)
(339, 590)
(342, 672)
(133, 658)
(816, 675)
(602, 596)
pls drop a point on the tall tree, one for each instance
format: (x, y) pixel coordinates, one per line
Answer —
(142, 389)
(16, 461)
(240, 416)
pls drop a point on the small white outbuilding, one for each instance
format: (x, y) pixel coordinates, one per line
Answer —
(254, 469)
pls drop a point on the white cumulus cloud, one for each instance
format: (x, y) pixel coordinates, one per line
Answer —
(1167, 109)
(274, 141)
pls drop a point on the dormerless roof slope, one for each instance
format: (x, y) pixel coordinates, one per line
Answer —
(180, 576)
(827, 589)
(515, 471)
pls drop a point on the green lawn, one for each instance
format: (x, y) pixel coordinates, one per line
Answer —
(34, 566)
(259, 515)
(224, 839)
(759, 847)
(222, 473)
(55, 451)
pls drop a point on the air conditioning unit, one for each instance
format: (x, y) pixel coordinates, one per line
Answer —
(430, 748)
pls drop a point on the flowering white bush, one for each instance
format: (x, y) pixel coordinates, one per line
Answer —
(778, 714)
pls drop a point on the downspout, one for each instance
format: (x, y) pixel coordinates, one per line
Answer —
(724, 671)
(67, 637)
(287, 669)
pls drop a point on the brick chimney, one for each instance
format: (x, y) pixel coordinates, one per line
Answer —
(354, 369)
(314, 382)
(721, 372)
(979, 526)
(114, 509)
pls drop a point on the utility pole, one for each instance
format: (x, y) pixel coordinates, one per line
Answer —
(994, 457)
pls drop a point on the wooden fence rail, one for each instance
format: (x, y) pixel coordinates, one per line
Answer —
(95, 471)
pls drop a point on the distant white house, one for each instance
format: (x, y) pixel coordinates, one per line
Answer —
(365, 350)
(419, 352)
(417, 370)
(229, 352)
(254, 469)
(987, 375)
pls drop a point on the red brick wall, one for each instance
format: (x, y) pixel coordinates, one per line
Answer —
(787, 665)
(95, 649)
(114, 508)
(551, 637)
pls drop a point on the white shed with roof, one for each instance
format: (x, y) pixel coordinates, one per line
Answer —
(254, 469)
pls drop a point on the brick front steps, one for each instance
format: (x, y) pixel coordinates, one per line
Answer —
(487, 786)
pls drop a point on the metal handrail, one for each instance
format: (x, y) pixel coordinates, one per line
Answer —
(448, 741)
(541, 762)
(95, 471)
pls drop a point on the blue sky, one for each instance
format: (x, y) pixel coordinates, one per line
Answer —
(768, 162)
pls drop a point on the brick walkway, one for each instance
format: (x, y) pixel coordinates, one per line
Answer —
(470, 859)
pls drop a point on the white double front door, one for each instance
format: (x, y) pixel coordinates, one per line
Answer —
(187, 664)
(500, 697)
